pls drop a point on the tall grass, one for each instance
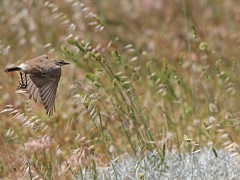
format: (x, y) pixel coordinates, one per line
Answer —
(145, 77)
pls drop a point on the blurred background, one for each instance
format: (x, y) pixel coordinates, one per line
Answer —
(146, 75)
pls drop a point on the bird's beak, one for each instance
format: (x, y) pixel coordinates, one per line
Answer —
(66, 63)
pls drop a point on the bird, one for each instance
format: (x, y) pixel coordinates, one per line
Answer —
(39, 77)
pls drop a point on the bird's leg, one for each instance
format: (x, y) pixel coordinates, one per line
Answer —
(21, 83)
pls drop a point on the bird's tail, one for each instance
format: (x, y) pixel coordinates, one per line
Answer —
(12, 69)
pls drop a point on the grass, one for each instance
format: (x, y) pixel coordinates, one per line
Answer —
(144, 77)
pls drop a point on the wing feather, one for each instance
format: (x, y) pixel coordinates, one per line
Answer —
(48, 95)
(47, 85)
(43, 87)
(46, 88)
(35, 94)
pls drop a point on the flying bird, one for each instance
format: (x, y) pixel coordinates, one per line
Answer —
(39, 77)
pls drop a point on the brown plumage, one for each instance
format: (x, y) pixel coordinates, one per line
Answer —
(40, 80)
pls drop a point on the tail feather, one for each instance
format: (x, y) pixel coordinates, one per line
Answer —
(12, 69)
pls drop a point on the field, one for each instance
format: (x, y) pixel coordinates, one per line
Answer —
(147, 76)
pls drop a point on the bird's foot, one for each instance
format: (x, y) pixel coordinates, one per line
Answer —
(21, 85)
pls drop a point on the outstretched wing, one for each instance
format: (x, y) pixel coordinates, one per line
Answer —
(47, 85)
(43, 87)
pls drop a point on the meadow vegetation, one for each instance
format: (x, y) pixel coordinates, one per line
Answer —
(144, 76)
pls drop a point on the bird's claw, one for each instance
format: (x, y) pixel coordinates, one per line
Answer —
(22, 85)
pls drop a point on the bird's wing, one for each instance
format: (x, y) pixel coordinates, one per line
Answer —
(47, 85)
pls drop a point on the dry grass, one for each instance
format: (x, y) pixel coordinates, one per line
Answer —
(144, 76)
